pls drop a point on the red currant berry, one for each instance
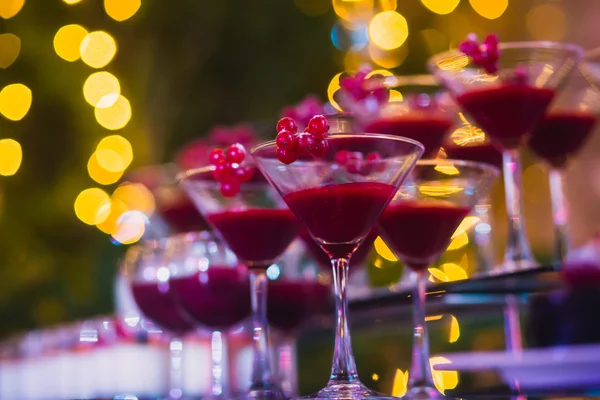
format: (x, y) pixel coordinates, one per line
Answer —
(230, 188)
(375, 160)
(318, 125)
(321, 147)
(342, 157)
(491, 40)
(286, 140)
(217, 156)
(286, 156)
(235, 153)
(243, 174)
(287, 124)
(223, 171)
(355, 161)
(306, 143)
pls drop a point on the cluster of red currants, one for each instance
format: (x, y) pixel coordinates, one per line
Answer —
(359, 88)
(484, 54)
(229, 171)
(355, 163)
(311, 142)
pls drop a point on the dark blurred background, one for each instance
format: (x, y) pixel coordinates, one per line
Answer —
(162, 73)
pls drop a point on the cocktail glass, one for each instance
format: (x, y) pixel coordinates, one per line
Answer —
(508, 106)
(417, 109)
(211, 286)
(298, 291)
(558, 137)
(146, 268)
(258, 227)
(339, 205)
(418, 225)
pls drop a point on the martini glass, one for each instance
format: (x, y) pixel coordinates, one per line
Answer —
(508, 106)
(559, 136)
(418, 225)
(258, 227)
(338, 206)
(146, 268)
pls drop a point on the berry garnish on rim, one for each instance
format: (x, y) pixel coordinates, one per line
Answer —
(302, 112)
(311, 142)
(363, 87)
(229, 171)
(355, 163)
(485, 54)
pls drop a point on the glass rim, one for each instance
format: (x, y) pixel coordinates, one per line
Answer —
(417, 144)
(572, 47)
(461, 163)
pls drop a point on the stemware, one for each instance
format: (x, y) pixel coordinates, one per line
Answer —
(508, 105)
(418, 225)
(146, 268)
(258, 227)
(210, 285)
(338, 204)
(559, 136)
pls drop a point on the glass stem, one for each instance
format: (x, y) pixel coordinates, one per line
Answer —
(560, 215)
(482, 234)
(288, 375)
(217, 349)
(420, 371)
(343, 369)
(262, 377)
(518, 253)
(175, 369)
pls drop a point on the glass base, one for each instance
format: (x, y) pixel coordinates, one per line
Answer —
(347, 391)
(423, 393)
(513, 266)
(263, 394)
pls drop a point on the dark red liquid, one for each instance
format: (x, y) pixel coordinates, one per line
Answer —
(217, 298)
(157, 303)
(291, 303)
(427, 128)
(419, 231)
(560, 135)
(582, 274)
(258, 236)
(182, 216)
(507, 113)
(339, 215)
(484, 152)
(322, 258)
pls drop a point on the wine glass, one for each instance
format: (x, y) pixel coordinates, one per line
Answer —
(146, 266)
(418, 225)
(258, 227)
(338, 202)
(560, 135)
(508, 105)
(298, 291)
(211, 286)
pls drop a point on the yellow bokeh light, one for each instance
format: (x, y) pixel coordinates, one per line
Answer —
(92, 206)
(458, 241)
(70, 2)
(101, 175)
(101, 89)
(400, 383)
(333, 87)
(388, 58)
(383, 250)
(116, 116)
(395, 96)
(388, 5)
(130, 227)
(67, 41)
(11, 156)
(454, 330)
(97, 49)
(15, 101)
(136, 196)
(353, 60)
(388, 30)
(444, 380)
(119, 145)
(109, 160)
(120, 10)
(441, 7)
(490, 9)
(437, 274)
(313, 8)
(10, 47)
(454, 272)
(547, 22)
(114, 208)
(353, 10)
(10, 8)
(465, 225)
